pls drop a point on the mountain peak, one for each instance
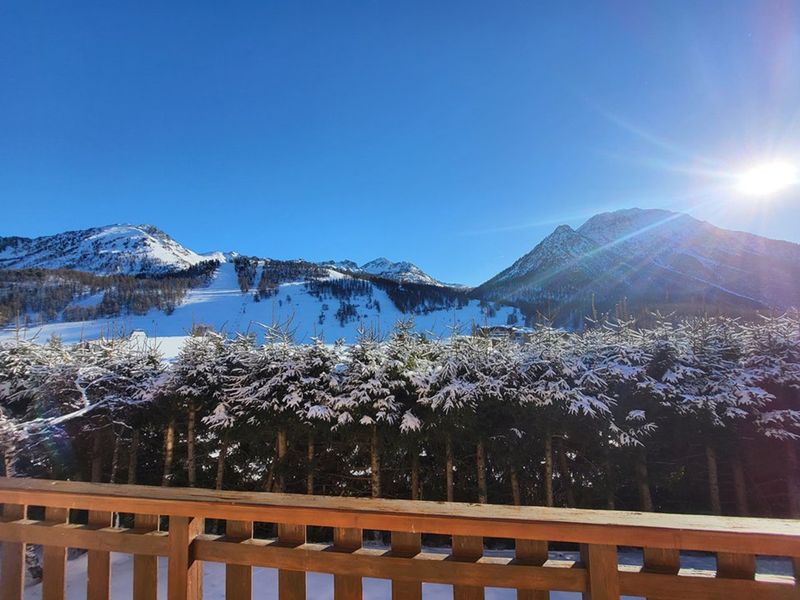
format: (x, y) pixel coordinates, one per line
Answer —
(118, 248)
(631, 223)
(656, 258)
(402, 271)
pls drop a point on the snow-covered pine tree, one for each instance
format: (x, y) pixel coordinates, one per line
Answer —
(408, 356)
(197, 385)
(366, 399)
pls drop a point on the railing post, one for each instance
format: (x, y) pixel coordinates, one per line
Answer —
(238, 578)
(145, 568)
(292, 584)
(534, 553)
(601, 562)
(54, 560)
(98, 569)
(467, 549)
(347, 587)
(185, 574)
(406, 545)
(12, 561)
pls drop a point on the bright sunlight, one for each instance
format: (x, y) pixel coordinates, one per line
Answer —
(767, 179)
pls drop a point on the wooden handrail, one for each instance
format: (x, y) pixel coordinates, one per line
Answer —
(734, 540)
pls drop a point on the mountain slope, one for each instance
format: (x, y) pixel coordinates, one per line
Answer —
(764, 270)
(559, 258)
(114, 249)
(328, 304)
(650, 259)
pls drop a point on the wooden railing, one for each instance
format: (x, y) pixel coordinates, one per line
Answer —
(187, 546)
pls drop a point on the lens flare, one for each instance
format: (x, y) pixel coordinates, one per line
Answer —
(767, 179)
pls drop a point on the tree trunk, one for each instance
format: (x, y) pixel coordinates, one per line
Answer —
(191, 463)
(310, 453)
(548, 470)
(133, 456)
(375, 463)
(563, 467)
(415, 491)
(449, 465)
(740, 486)
(115, 460)
(643, 481)
(611, 502)
(793, 479)
(713, 479)
(270, 480)
(169, 451)
(516, 495)
(282, 446)
(223, 454)
(8, 461)
(97, 457)
(480, 459)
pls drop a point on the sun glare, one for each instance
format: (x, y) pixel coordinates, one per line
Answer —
(767, 179)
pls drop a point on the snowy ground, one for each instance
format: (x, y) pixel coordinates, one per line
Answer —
(320, 586)
(224, 307)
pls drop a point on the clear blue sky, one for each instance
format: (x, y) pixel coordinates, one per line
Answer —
(452, 134)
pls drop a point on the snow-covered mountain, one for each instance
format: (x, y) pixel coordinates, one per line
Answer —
(402, 271)
(240, 294)
(751, 266)
(309, 301)
(114, 249)
(628, 262)
(652, 258)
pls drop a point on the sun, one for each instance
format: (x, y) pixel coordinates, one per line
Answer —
(767, 179)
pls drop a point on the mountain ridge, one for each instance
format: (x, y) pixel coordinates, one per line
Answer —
(623, 263)
(653, 256)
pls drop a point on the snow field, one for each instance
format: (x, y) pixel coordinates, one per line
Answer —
(222, 306)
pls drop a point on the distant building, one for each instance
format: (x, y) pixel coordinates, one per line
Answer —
(518, 334)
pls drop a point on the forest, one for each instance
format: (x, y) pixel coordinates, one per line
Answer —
(696, 415)
(31, 296)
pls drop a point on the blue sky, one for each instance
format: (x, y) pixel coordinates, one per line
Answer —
(452, 134)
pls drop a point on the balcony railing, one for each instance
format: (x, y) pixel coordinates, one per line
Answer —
(185, 543)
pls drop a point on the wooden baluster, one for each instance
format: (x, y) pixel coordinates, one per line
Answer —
(531, 552)
(467, 549)
(184, 574)
(796, 566)
(12, 559)
(662, 560)
(292, 584)
(145, 568)
(239, 578)
(346, 587)
(54, 560)
(406, 545)
(98, 569)
(601, 562)
(736, 566)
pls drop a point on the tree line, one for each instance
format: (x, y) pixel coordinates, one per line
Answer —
(695, 415)
(30, 296)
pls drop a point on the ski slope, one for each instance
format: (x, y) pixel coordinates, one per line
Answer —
(222, 306)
